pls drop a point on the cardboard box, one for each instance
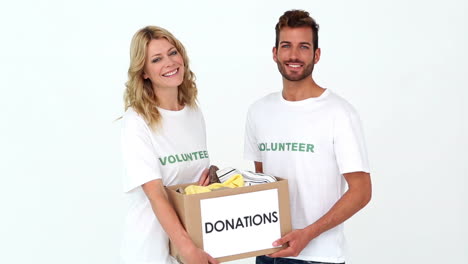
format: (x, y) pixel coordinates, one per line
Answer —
(235, 223)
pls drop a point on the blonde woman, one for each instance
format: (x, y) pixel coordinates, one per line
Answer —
(163, 143)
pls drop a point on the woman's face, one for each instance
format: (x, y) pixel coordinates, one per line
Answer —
(164, 65)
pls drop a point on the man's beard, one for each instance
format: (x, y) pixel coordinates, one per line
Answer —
(308, 68)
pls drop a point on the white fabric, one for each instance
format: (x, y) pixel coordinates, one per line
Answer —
(311, 143)
(175, 153)
(250, 178)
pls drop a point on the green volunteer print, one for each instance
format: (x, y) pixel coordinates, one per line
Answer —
(292, 146)
(184, 157)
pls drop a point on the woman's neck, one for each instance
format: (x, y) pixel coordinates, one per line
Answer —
(168, 98)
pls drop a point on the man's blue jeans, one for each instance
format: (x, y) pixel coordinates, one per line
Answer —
(267, 260)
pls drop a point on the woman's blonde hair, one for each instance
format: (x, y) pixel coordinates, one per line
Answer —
(140, 93)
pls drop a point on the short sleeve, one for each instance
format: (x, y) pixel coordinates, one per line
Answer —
(139, 157)
(251, 151)
(348, 140)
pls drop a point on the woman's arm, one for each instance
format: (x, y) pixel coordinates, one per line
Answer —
(167, 216)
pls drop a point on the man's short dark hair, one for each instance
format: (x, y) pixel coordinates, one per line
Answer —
(295, 19)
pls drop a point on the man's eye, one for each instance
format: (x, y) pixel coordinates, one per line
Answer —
(285, 46)
(304, 47)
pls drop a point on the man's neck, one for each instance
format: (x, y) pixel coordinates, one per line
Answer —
(301, 90)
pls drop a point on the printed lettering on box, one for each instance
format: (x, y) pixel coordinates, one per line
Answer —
(240, 223)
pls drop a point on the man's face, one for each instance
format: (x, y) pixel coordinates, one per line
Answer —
(295, 54)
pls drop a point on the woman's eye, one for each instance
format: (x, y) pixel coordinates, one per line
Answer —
(174, 52)
(155, 60)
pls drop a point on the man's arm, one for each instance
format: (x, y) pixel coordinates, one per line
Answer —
(167, 216)
(354, 199)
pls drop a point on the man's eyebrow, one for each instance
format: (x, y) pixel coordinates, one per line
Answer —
(302, 43)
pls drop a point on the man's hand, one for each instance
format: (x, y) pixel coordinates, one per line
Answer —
(297, 239)
(194, 255)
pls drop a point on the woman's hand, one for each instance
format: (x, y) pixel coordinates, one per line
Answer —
(194, 255)
(204, 178)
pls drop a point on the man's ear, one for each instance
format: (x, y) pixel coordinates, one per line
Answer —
(275, 58)
(317, 54)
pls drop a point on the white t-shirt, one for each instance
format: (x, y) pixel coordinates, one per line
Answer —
(175, 153)
(311, 143)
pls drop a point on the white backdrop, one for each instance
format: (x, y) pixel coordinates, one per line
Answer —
(402, 64)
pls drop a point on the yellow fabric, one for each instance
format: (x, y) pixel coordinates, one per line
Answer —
(193, 189)
(233, 182)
